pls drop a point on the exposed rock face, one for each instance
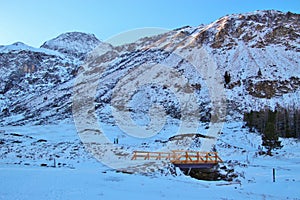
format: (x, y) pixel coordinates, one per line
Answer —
(259, 29)
(268, 89)
(259, 50)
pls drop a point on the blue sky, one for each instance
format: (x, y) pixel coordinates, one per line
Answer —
(35, 21)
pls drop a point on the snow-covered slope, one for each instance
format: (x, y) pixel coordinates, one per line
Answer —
(38, 76)
(36, 84)
(19, 46)
(38, 162)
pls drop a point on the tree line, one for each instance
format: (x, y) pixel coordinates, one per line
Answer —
(274, 124)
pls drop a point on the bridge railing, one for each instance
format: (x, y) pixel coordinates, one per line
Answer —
(179, 156)
(191, 157)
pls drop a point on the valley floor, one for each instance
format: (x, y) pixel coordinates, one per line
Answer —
(78, 175)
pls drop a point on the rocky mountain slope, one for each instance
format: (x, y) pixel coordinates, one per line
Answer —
(74, 44)
(259, 50)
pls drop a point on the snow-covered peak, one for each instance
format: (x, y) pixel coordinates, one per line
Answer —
(20, 46)
(258, 28)
(17, 46)
(257, 16)
(268, 18)
(73, 43)
(258, 13)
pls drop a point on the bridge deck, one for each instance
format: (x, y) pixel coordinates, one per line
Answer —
(181, 158)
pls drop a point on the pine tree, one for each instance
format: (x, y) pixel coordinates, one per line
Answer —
(259, 73)
(287, 124)
(227, 77)
(270, 136)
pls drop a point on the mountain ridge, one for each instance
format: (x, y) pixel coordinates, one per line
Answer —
(36, 86)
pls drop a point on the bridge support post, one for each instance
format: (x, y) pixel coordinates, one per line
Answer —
(189, 171)
(273, 174)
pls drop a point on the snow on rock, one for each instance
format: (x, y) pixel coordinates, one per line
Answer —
(73, 44)
(20, 46)
(241, 44)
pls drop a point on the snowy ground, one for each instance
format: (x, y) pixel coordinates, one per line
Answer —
(78, 175)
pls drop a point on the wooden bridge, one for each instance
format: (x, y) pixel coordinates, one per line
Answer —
(181, 158)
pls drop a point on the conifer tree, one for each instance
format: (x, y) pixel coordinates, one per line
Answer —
(259, 73)
(227, 77)
(270, 136)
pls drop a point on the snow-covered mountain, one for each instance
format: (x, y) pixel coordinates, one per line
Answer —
(242, 61)
(75, 44)
(260, 51)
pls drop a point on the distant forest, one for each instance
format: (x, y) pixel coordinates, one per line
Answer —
(274, 124)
